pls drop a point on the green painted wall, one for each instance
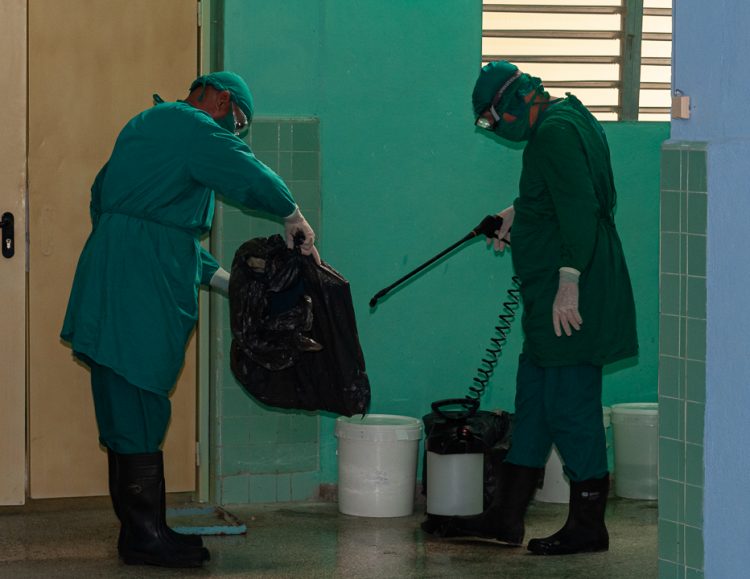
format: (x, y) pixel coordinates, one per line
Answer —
(405, 174)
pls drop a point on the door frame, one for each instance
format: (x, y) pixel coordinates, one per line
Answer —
(13, 271)
(211, 51)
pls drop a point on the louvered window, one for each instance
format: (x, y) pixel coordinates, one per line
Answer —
(615, 55)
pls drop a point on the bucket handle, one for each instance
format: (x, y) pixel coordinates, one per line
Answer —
(470, 405)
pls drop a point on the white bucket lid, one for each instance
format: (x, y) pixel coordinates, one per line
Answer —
(379, 427)
(636, 408)
(636, 413)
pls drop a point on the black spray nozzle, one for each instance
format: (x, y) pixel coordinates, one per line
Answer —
(488, 227)
(377, 296)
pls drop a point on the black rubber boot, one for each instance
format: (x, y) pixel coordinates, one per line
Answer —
(503, 520)
(192, 540)
(584, 531)
(146, 539)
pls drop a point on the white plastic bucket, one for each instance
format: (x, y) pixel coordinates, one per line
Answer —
(556, 487)
(377, 464)
(635, 428)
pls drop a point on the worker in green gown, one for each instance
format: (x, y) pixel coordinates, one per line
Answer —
(134, 300)
(578, 307)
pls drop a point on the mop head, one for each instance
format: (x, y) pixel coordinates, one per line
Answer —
(204, 521)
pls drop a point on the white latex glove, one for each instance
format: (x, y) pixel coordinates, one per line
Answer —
(565, 308)
(297, 222)
(503, 234)
(220, 280)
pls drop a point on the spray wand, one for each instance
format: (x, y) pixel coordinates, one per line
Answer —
(488, 227)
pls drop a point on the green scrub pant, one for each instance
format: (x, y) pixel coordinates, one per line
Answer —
(560, 405)
(130, 420)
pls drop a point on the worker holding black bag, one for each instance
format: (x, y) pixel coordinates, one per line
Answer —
(134, 300)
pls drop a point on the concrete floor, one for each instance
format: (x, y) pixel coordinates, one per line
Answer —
(76, 538)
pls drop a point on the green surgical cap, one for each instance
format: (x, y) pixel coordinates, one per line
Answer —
(225, 80)
(491, 78)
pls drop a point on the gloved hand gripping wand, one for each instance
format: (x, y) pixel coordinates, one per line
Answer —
(488, 227)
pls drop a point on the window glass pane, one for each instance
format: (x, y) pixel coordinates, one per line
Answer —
(568, 72)
(589, 96)
(658, 117)
(549, 46)
(657, 3)
(655, 98)
(558, 2)
(656, 48)
(657, 24)
(656, 74)
(541, 21)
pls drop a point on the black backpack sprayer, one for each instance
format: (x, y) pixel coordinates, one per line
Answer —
(464, 446)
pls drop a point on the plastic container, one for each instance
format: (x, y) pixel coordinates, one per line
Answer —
(456, 484)
(635, 429)
(464, 447)
(556, 487)
(377, 464)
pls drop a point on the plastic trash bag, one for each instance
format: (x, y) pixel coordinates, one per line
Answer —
(294, 334)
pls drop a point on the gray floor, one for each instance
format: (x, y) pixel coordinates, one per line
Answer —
(76, 538)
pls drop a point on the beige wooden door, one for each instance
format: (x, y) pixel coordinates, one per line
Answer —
(92, 65)
(13, 270)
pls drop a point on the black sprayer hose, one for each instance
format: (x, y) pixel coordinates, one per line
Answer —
(468, 406)
(492, 353)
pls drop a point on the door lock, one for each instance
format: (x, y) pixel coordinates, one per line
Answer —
(8, 236)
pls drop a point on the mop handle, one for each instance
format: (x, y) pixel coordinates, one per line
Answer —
(488, 226)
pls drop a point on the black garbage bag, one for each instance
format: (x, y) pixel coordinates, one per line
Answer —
(294, 334)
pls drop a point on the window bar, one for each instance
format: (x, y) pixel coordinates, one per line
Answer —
(657, 12)
(660, 36)
(655, 86)
(581, 83)
(556, 59)
(630, 71)
(655, 61)
(552, 9)
(580, 34)
(655, 110)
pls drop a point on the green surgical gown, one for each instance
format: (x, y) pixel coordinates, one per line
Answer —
(134, 300)
(564, 217)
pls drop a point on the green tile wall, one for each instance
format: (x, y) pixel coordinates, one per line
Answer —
(682, 358)
(259, 454)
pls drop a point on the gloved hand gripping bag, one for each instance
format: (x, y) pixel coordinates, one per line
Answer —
(294, 334)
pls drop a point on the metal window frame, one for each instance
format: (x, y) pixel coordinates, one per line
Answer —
(630, 61)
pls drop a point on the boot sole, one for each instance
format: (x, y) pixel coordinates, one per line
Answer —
(137, 560)
(148, 559)
(553, 552)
